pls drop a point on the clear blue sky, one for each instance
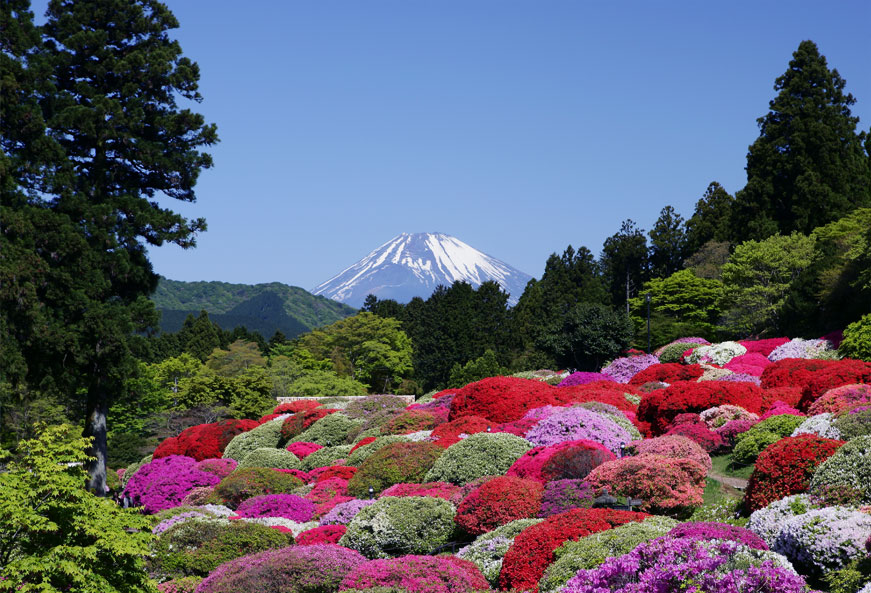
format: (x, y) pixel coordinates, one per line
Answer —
(518, 127)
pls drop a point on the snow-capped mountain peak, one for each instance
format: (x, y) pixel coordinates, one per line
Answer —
(414, 264)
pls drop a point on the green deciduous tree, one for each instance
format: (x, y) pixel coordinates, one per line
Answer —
(757, 280)
(486, 365)
(809, 166)
(55, 537)
(587, 336)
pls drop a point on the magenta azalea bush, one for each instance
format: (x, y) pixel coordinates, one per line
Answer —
(296, 569)
(344, 512)
(686, 564)
(560, 496)
(288, 506)
(163, 483)
(573, 424)
(221, 467)
(582, 378)
(623, 369)
(713, 530)
(418, 574)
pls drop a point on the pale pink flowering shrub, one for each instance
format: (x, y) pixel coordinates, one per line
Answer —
(720, 415)
(675, 447)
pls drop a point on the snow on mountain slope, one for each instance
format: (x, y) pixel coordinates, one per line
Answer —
(414, 264)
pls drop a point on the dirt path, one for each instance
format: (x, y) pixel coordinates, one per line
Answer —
(737, 483)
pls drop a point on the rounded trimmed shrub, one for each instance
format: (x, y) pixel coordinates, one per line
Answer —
(437, 489)
(361, 453)
(449, 433)
(720, 415)
(785, 468)
(856, 423)
(531, 465)
(667, 373)
(410, 421)
(298, 569)
(712, 530)
(849, 466)
(837, 374)
(163, 483)
(294, 407)
(220, 467)
(822, 540)
(303, 449)
(325, 457)
(394, 526)
(500, 399)
(674, 446)
(325, 534)
(591, 551)
(204, 441)
(332, 429)
(560, 496)
(533, 549)
(295, 425)
(420, 574)
(488, 550)
(271, 458)
(265, 435)
(840, 399)
(574, 424)
(497, 502)
(362, 408)
(660, 407)
(288, 506)
(748, 445)
(483, 454)
(394, 463)
(197, 546)
(253, 481)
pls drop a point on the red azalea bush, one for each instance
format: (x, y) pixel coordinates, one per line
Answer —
(792, 372)
(660, 407)
(449, 433)
(295, 407)
(497, 502)
(763, 347)
(363, 442)
(699, 433)
(533, 549)
(325, 534)
(268, 417)
(303, 449)
(343, 472)
(417, 574)
(786, 467)
(517, 427)
(501, 399)
(327, 490)
(840, 399)
(574, 461)
(410, 421)
(842, 372)
(674, 446)
(729, 431)
(204, 441)
(304, 476)
(787, 395)
(296, 424)
(666, 485)
(434, 489)
(667, 373)
(579, 394)
(531, 465)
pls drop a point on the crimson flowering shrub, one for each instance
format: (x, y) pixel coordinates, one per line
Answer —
(531, 465)
(289, 506)
(204, 441)
(582, 378)
(712, 530)
(574, 461)
(560, 496)
(578, 423)
(395, 463)
(295, 407)
(268, 417)
(343, 472)
(674, 446)
(434, 489)
(253, 481)
(221, 467)
(533, 549)
(763, 347)
(660, 407)
(303, 449)
(410, 421)
(304, 476)
(500, 399)
(516, 427)
(780, 408)
(699, 433)
(418, 574)
(497, 502)
(596, 392)
(840, 372)
(362, 443)
(324, 534)
(668, 486)
(297, 424)
(840, 399)
(792, 372)
(318, 568)
(326, 490)
(449, 433)
(163, 483)
(786, 467)
(667, 373)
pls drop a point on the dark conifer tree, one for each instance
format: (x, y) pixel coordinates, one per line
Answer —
(667, 244)
(711, 218)
(809, 166)
(625, 263)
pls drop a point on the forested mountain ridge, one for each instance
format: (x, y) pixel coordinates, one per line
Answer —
(264, 308)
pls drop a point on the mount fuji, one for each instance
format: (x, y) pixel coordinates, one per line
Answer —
(414, 264)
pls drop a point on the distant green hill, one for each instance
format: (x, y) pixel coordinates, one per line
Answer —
(263, 308)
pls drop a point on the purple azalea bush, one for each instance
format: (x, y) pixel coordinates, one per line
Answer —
(824, 539)
(573, 424)
(344, 512)
(623, 369)
(582, 378)
(288, 506)
(686, 564)
(163, 483)
(724, 531)
(180, 518)
(742, 377)
(799, 348)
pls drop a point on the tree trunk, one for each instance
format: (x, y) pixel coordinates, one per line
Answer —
(95, 427)
(627, 291)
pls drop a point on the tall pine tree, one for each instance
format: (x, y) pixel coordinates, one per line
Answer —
(809, 166)
(667, 244)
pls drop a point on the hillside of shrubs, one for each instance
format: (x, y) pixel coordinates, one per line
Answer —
(582, 482)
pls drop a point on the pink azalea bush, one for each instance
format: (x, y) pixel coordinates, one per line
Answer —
(582, 378)
(778, 408)
(435, 489)
(343, 513)
(163, 483)
(675, 447)
(220, 467)
(288, 506)
(303, 449)
(418, 574)
(720, 415)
